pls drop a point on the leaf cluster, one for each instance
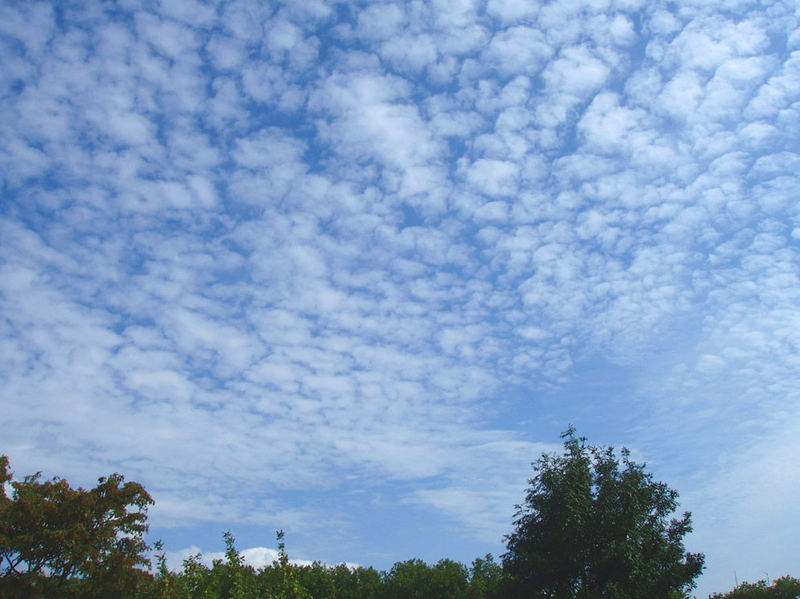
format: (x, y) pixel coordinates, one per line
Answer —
(55, 538)
(231, 578)
(596, 525)
(785, 587)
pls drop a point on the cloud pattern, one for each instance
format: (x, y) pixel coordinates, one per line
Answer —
(282, 261)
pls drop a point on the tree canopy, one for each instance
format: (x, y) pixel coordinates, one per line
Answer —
(594, 525)
(785, 587)
(54, 537)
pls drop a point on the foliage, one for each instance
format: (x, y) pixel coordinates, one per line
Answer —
(57, 540)
(228, 578)
(485, 578)
(232, 579)
(592, 526)
(291, 587)
(414, 579)
(785, 587)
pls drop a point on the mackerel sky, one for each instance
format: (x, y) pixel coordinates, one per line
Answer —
(347, 268)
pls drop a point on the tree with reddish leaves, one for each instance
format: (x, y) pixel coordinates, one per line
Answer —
(56, 540)
(785, 587)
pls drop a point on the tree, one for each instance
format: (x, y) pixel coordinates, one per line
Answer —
(291, 587)
(56, 539)
(410, 579)
(594, 526)
(485, 578)
(449, 580)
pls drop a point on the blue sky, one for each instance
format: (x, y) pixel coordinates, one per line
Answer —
(346, 269)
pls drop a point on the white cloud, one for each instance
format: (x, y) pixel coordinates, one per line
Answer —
(681, 96)
(493, 177)
(409, 53)
(455, 14)
(380, 21)
(518, 50)
(511, 10)
(166, 37)
(576, 72)
(226, 52)
(193, 12)
(610, 127)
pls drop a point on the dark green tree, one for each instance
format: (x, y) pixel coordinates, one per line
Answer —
(596, 526)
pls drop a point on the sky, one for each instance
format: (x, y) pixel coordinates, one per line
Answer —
(346, 269)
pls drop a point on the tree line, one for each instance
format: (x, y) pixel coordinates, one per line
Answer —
(593, 525)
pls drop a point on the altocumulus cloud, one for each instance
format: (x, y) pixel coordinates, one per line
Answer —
(345, 269)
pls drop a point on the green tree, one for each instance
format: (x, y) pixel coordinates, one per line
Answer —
(596, 526)
(410, 579)
(228, 578)
(785, 587)
(57, 540)
(346, 582)
(364, 583)
(318, 580)
(449, 580)
(485, 577)
(291, 587)
(165, 584)
(414, 579)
